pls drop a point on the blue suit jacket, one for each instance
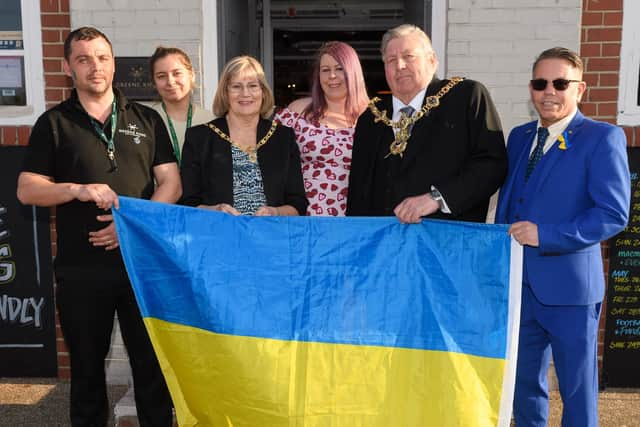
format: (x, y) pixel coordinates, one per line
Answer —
(578, 196)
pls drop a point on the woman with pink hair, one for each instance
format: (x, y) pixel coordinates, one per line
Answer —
(324, 125)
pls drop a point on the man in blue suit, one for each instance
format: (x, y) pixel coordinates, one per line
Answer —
(567, 190)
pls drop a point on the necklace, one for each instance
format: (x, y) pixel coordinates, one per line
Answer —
(172, 130)
(252, 152)
(402, 126)
(108, 142)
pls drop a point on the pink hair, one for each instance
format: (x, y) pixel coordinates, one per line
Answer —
(357, 98)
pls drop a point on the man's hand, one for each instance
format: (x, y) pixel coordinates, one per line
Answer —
(525, 233)
(107, 236)
(101, 194)
(412, 209)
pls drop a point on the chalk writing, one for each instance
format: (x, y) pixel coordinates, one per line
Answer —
(21, 311)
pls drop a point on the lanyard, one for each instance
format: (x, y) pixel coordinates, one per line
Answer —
(108, 142)
(172, 130)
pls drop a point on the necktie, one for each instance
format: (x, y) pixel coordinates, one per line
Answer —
(408, 111)
(543, 133)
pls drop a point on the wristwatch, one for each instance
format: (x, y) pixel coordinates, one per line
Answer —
(437, 196)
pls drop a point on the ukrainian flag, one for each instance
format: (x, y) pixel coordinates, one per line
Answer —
(298, 321)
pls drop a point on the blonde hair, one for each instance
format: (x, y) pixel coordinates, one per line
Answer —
(235, 67)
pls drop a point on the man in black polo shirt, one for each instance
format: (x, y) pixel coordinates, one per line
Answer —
(82, 154)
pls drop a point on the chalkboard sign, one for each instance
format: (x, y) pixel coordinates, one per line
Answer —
(27, 322)
(622, 328)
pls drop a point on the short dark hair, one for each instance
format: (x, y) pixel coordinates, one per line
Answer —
(83, 33)
(560, 53)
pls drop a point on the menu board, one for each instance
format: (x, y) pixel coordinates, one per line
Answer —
(27, 323)
(622, 328)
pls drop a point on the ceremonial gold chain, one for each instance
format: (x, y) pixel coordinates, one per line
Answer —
(252, 152)
(401, 127)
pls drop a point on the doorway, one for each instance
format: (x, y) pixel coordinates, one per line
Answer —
(286, 43)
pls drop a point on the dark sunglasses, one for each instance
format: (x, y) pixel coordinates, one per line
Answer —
(558, 84)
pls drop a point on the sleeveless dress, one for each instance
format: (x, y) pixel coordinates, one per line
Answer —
(325, 155)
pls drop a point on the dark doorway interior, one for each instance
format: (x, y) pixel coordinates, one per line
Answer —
(294, 55)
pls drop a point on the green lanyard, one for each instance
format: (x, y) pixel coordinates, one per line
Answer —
(108, 142)
(172, 130)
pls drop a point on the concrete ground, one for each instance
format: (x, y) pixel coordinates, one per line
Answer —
(44, 402)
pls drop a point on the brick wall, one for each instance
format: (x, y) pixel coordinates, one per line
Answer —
(55, 27)
(601, 38)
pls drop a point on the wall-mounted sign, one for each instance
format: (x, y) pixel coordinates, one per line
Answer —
(133, 79)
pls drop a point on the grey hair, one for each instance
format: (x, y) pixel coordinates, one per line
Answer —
(402, 31)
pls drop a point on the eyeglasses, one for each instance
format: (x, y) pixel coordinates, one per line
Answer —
(558, 84)
(239, 87)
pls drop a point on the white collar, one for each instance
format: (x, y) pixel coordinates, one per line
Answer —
(416, 103)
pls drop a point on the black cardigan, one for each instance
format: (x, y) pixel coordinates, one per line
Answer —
(207, 167)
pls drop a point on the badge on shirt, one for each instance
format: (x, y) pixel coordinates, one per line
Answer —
(132, 130)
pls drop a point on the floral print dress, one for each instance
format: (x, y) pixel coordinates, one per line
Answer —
(325, 155)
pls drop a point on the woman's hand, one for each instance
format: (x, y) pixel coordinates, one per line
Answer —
(268, 211)
(221, 207)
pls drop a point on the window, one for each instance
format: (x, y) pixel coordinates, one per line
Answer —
(629, 91)
(21, 74)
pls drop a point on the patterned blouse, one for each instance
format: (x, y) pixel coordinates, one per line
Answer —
(248, 193)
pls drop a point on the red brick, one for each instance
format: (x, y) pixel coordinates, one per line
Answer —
(590, 50)
(64, 6)
(591, 79)
(57, 80)
(64, 372)
(613, 19)
(49, 6)
(52, 65)
(603, 35)
(53, 95)
(57, 20)
(591, 19)
(588, 109)
(607, 109)
(9, 135)
(613, 121)
(603, 64)
(629, 133)
(53, 50)
(62, 347)
(23, 135)
(611, 49)
(598, 95)
(51, 36)
(593, 5)
(609, 79)
(636, 138)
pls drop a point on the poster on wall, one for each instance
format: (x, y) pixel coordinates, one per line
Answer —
(27, 319)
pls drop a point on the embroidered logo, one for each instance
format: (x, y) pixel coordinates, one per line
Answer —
(132, 130)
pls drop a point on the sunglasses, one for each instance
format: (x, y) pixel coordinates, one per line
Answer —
(558, 84)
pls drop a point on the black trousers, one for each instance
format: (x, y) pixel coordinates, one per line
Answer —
(86, 308)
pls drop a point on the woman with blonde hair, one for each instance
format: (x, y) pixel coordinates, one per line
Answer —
(241, 163)
(173, 77)
(324, 124)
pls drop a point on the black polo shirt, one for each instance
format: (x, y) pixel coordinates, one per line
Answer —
(64, 145)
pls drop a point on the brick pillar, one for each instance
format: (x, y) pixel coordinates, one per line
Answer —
(600, 49)
(55, 22)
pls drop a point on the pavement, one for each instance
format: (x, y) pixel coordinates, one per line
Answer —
(38, 402)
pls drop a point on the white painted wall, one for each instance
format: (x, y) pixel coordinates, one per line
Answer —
(137, 28)
(496, 42)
